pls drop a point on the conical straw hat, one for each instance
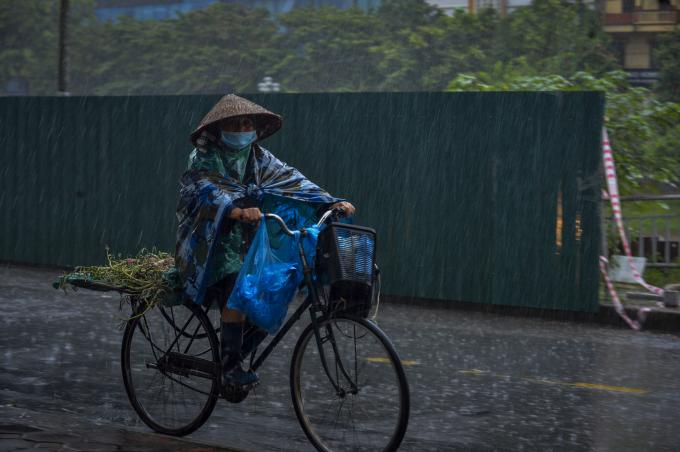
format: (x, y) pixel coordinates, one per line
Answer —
(231, 106)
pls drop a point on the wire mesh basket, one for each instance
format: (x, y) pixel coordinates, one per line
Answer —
(346, 261)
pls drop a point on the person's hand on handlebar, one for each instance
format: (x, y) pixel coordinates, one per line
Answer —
(251, 215)
(346, 207)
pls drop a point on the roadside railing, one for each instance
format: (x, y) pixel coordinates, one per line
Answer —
(654, 237)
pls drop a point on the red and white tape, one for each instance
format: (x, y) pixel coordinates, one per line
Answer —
(614, 198)
(642, 312)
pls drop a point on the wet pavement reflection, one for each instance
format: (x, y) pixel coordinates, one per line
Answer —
(478, 381)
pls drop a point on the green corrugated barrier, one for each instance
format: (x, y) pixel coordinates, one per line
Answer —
(480, 197)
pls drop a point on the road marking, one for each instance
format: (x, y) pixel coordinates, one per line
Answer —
(580, 385)
(611, 388)
(383, 360)
(473, 372)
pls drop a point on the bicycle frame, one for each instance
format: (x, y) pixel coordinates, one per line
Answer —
(311, 303)
(315, 307)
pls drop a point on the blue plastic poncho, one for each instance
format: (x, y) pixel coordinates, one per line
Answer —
(206, 198)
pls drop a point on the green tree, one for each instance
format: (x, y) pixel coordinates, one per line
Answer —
(412, 49)
(404, 45)
(328, 49)
(401, 14)
(422, 49)
(29, 51)
(474, 42)
(558, 37)
(644, 131)
(28, 55)
(668, 55)
(213, 50)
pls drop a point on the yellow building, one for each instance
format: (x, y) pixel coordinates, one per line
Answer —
(634, 25)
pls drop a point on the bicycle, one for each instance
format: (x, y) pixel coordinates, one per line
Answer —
(348, 386)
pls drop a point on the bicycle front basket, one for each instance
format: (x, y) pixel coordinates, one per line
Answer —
(346, 258)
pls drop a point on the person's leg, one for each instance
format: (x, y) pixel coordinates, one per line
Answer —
(231, 337)
(232, 316)
(231, 341)
(252, 337)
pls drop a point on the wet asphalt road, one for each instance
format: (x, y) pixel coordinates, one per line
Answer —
(478, 381)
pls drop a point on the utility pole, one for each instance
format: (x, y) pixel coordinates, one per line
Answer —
(62, 83)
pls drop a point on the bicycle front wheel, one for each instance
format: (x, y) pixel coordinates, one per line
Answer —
(360, 399)
(170, 364)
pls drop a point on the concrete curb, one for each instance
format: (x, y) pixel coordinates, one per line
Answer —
(662, 320)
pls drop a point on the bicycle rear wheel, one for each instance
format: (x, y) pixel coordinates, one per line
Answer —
(170, 364)
(362, 402)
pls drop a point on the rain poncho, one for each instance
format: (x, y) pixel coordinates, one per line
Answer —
(206, 198)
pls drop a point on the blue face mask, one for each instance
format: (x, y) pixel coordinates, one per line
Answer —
(238, 140)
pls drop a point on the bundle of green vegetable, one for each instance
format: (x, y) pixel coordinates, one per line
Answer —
(148, 278)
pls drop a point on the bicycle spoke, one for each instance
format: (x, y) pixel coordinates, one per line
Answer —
(368, 411)
(354, 427)
(329, 411)
(356, 357)
(191, 341)
(337, 415)
(171, 390)
(149, 338)
(163, 351)
(172, 314)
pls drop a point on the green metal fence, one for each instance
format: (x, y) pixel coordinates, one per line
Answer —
(481, 197)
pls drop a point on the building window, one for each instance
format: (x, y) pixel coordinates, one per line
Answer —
(628, 6)
(653, 60)
(637, 53)
(620, 51)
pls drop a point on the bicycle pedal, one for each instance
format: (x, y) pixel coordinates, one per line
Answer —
(236, 393)
(236, 387)
(249, 386)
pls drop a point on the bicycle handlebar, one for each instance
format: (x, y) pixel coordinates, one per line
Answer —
(327, 214)
(280, 221)
(284, 227)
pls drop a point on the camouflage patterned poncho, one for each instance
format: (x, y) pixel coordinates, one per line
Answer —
(206, 198)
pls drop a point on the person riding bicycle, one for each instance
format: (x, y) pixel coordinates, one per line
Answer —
(229, 181)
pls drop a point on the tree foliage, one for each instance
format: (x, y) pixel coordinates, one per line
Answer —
(558, 37)
(406, 45)
(643, 130)
(214, 50)
(29, 47)
(668, 55)
(328, 50)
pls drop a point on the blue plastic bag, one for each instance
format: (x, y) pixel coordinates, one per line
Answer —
(265, 285)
